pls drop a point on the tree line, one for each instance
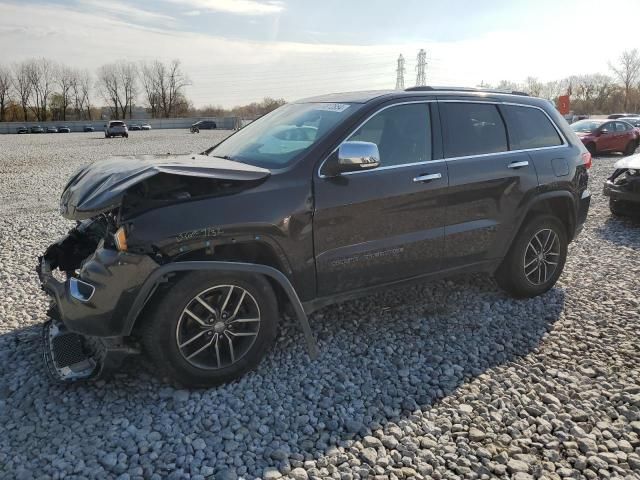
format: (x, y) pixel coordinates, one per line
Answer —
(591, 94)
(39, 89)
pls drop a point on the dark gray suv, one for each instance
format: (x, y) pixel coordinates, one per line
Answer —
(191, 259)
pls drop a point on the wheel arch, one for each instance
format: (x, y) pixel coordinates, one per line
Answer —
(163, 274)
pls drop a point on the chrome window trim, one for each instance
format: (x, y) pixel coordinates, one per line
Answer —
(565, 142)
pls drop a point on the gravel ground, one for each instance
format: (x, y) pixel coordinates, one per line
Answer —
(448, 380)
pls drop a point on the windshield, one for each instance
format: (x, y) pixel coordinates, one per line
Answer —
(585, 126)
(276, 139)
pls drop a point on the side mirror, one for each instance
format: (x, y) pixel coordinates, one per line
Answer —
(604, 131)
(353, 156)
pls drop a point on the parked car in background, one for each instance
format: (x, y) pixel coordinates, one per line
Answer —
(22, 130)
(613, 116)
(116, 128)
(64, 129)
(145, 126)
(88, 128)
(623, 187)
(190, 259)
(37, 129)
(635, 121)
(601, 136)
(203, 125)
(52, 129)
(134, 126)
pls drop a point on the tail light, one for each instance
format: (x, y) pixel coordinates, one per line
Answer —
(586, 160)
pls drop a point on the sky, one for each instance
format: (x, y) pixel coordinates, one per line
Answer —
(238, 51)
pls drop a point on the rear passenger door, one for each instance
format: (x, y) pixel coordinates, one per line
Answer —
(487, 182)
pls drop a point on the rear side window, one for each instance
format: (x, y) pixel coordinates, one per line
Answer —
(621, 127)
(472, 129)
(530, 128)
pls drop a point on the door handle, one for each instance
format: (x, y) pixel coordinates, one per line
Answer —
(427, 177)
(521, 164)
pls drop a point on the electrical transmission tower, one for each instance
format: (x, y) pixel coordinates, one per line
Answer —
(421, 78)
(400, 73)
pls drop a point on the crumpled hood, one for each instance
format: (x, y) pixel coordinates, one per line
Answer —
(100, 186)
(632, 162)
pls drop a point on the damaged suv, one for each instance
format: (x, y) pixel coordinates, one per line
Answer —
(192, 259)
(623, 187)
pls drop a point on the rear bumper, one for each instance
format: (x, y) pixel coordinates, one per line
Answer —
(583, 210)
(97, 301)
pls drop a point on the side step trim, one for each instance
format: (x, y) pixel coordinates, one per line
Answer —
(151, 283)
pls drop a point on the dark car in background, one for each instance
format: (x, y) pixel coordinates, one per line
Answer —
(613, 116)
(204, 125)
(36, 129)
(191, 259)
(603, 136)
(64, 129)
(134, 126)
(623, 187)
(88, 128)
(22, 130)
(52, 130)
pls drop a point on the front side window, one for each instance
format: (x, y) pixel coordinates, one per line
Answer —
(402, 134)
(280, 137)
(472, 129)
(530, 128)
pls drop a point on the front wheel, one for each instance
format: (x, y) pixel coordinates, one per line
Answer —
(208, 329)
(536, 258)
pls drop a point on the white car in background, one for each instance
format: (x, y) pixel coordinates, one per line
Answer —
(116, 128)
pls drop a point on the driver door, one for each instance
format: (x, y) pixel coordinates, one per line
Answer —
(387, 223)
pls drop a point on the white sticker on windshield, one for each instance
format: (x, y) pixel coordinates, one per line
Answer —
(333, 107)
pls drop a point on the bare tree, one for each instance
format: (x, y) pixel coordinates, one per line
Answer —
(117, 82)
(41, 74)
(163, 86)
(65, 79)
(80, 91)
(533, 86)
(5, 90)
(627, 72)
(22, 86)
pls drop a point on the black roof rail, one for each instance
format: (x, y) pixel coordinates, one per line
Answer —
(429, 88)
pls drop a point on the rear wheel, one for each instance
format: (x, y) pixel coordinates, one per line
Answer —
(536, 258)
(630, 148)
(209, 329)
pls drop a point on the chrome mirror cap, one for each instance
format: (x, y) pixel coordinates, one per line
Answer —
(358, 156)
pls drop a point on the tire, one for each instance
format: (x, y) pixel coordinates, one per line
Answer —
(126, 135)
(107, 136)
(167, 323)
(630, 148)
(616, 208)
(591, 147)
(511, 275)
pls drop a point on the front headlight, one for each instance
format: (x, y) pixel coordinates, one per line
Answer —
(120, 239)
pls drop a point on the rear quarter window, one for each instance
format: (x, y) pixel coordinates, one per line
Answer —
(530, 128)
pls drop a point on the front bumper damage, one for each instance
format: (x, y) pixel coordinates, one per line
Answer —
(86, 334)
(623, 188)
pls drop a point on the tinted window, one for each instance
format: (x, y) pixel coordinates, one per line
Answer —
(530, 128)
(472, 129)
(402, 134)
(621, 127)
(609, 126)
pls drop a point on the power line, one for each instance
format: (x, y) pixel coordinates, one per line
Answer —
(400, 73)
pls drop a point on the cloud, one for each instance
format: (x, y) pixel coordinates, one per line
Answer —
(238, 7)
(191, 13)
(127, 11)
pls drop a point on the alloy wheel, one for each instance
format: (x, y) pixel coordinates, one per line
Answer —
(541, 256)
(218, 327)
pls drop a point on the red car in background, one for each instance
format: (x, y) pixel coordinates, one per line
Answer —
(600, 136)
